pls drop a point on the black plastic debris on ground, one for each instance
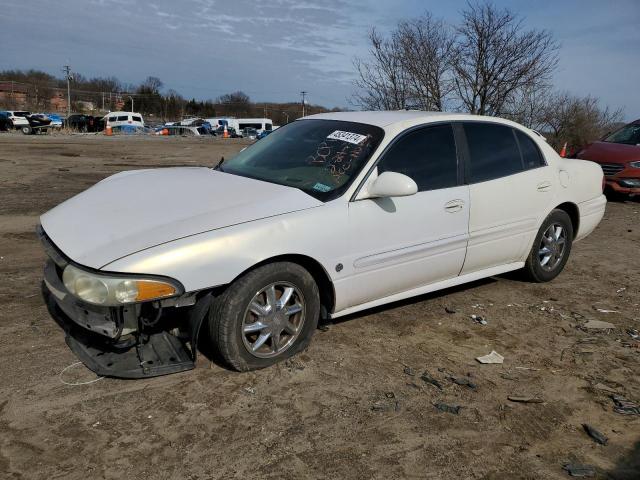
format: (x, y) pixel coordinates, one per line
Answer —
(624, 407)
(463, 381)
(409, 371)
(450, 310)
(443, 407)
(427, 378)
(595, 434)
(578, 470)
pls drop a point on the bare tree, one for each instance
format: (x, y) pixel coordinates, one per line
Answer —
(496, 59)
(382, 81)
(576, 120)
(427, 53)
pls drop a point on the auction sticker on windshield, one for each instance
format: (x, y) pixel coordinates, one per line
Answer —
(349, 137)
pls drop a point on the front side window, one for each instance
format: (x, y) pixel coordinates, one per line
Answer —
(428, 156)
(493, 151)
(136, 119)
(320, 157)
(123, 118)
(268, 126)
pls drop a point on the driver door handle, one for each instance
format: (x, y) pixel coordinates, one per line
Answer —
(454, 206)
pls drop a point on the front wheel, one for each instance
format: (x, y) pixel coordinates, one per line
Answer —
(551, 248)
(265, 316)
(26, 130)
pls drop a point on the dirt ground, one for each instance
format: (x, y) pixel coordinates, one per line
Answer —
(354, 405)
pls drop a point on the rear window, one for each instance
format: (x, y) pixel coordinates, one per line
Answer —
(531, 156)
(493, 150)
(137, 119)
(123, 118)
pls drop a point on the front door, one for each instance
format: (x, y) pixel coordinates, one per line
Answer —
(401, 243)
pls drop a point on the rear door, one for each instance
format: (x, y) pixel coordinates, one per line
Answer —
(402, 243)
(511, 188)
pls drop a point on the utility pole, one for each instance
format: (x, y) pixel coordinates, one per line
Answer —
(304, 95)
(131, 102)
(67, 73)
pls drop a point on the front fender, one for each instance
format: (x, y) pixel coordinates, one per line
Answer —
(217, 257)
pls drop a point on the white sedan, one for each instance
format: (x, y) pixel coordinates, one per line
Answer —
(329, 215)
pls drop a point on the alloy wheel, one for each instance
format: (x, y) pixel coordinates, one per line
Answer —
(552, 247)
(273, 320)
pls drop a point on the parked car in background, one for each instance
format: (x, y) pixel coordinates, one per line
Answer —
(329, 215)
(37, 124)
(56, 120)
(5, 123)
(618, 154)
(264, 133)
(84, 123)
(230, 130)
(117, 119)
(187, 131)
(17, 118)
(249, 132)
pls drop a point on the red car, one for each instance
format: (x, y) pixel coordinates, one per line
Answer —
(619, 156)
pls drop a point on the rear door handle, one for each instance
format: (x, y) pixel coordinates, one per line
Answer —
(544, 186)
(454, 206)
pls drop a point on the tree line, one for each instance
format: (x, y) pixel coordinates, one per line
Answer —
(489, 63)
(148, 97)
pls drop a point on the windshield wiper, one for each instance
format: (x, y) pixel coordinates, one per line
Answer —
(219, 165)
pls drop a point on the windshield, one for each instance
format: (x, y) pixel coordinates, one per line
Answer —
(629, 135)
(320, 157)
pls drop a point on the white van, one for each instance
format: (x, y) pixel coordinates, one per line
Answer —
(119, 119)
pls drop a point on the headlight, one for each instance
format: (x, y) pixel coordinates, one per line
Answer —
(106, 290)
(635, 164)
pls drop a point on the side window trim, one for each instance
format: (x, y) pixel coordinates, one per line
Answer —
(399, 137)
(515, 137)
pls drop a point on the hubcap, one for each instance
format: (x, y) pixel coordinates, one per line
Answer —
(552, 247)
(273, 320)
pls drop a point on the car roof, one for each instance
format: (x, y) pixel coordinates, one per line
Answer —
(387, 118)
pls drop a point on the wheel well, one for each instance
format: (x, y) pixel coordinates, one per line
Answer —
(317, 271)
(574, 214)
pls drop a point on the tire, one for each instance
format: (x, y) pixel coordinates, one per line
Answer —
(237, 316)
(536, 268)
(27, 130)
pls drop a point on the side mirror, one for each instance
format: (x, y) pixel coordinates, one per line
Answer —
(392, 184)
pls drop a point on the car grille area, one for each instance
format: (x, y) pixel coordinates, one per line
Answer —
(611, 169)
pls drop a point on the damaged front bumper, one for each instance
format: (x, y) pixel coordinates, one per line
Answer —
(134, 341)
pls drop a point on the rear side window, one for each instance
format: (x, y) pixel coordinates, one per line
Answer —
(136, 119)
(531, 156)
(113, 119)
(428, 156)
(493, 151)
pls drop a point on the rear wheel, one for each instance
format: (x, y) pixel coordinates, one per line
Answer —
(551, 248)
(265, 316)
(26, 130)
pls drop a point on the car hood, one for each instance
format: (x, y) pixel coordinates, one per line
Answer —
(608, 152)
(139, 209)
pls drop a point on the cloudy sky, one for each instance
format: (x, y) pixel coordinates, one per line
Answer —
(273, 49)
